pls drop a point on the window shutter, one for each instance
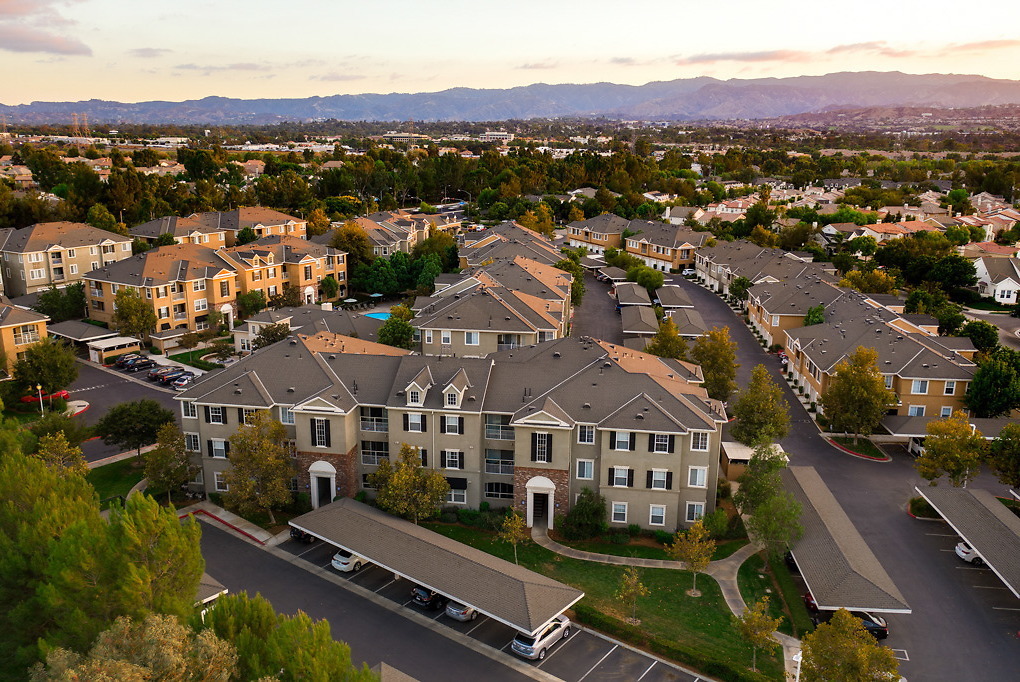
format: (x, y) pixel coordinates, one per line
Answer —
(240, 415)
(327, 432)
(442, 459)
(424, 423)
(424, 457)
(460, 460)
(407, 419)
(630, 478)
(226, 448)
(534, 447)
(648, 480)
(460, 425)
(672, 444)
(651, 442)
(209, 443)
(669, 480)
(311, 423)
(633, 441)
(224, 411)
(548, 445)
(612, 475)
(442, 424)
(208, 416)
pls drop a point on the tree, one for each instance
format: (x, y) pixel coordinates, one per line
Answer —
(431, 268)
(667, 342)
(251, 303)
(99, 216)
(994, 391)
(132, 315)
(318, 222)
(408, 489)
(843, 650)
(856, 398)
(695, 548)
(577, 284)
(951, 448)
(275, 646)
(815, 315)
(48, 363)
(62, 304)
(756, 626)
(760, 480)
(776, 523)
(330, 287)
(270, 334)
(761, 411)
(157, 648)
(61, 456)
(401, 312)
(74, 431)
(647, 277)
(984, 335)
(288, 297)
(397, 332)
(352, 239)
(132, 425)
(869, 281)
(167, 466)
(717, 355)
(514, 530)
(139, 246)
(165, 239)
(246, 235)
(260, 468)
(587, 518)
(1004, 458)
(631, 589)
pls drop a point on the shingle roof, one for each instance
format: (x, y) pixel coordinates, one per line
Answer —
(673, 296)
(42, 236)
(631, 294)
(12, 314)
(174, 263)
(509, 593)
(638, 319)
(836, 563)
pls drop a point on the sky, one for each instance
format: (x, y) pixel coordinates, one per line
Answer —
(137, 50)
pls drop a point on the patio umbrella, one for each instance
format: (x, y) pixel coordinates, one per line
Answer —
(376, 295)
(350, 300)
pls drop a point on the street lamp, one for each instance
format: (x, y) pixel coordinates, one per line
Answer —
(798, 657)
(38, 387)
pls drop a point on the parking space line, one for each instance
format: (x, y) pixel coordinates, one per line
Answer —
(407, 602)
(901, 654)
(312, 548)
(615, 646)
(947, 550)
(1004, 608)
(506, 645)
(484, 618)
(441, 613)
(386, 585)
(971, 568)
(647, 671)
(989, 587)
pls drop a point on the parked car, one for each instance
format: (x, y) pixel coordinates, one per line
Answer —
(140, 364)
(536, 647)
(347, 561)
(182, 381)
(689, 272)
(426, 598)
(127, 357)
(157, 372)
(35, 398)
(876, 625)
(301, 536)
(170, 376)
(963, 550)
(461, 612)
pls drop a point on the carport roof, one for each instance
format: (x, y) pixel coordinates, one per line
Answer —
(917, 427)
(80, 331)
(985, 523)
(836, 563)
(509, 593)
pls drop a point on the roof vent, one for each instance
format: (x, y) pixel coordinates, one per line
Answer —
(587, 406)
(293, 342)
(607, 364)
(556, 354)
(640, 416)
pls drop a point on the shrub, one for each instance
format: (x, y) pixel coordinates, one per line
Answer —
(448, 517)
(620, 538)
(587, 518)
(302, 503)
(469, 517)
(483, 507)
(662, 537)
(216, 498)
(814, 407)
(634, 530)
(58, 405)
(717, 523)
(775, 347)
(360, 496)
(723, 489)
(491, 519)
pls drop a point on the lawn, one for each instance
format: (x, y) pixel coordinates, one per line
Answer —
(863, 446)
(646, 551)
(194, 358)
(115, 479)
(704, 623)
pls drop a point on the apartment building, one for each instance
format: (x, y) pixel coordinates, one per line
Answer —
(775, 307)
(530, 427)
(717, 266)
(19, 329)
(271, 263)
(308, 320)
(507, 241)
(39, 256)
(186, 230)
(599, 233)
(263, 221)
(661, 246)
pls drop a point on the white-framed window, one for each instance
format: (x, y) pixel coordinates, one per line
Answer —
(74, 268)
(416, 422)
(428, 336)
(35, 258)
(621, 476)
(36, 274)
(586, 434)
(697, 477)
(657, 515)
(244, 343)
(699, 441)
(198, 285)
(189, 410)
(456, 496)
(585, 469)
(775, 320)
(915, 411)
(445, 337)
(221, 484)
(414, 397)
(888, 382)
(201, 304)
(946, 411)
(950, 388)
(191, 442)
(660, 443)
(658, 479)
(321, 437)
(70, 253)
(286, 415)
(95, 265)
(451, 399)
(93, 251)
(542, 450)
(695, 511)
(271, 291)
(919, 387)
(126, 246)
(454, 459)
(247, 415)
(219, 448)
(471, 338)
(619, 512)
(451, 424)
(621, 440)
(216, 414)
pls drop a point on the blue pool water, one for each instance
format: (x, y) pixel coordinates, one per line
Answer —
(378, 316)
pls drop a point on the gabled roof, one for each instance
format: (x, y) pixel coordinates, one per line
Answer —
(11, 315)
(162, 265)
(673, 296)
(606, 223)
(1001, 269)
(66, 235)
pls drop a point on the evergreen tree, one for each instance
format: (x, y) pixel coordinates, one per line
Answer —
(132, 315)
(168, 466)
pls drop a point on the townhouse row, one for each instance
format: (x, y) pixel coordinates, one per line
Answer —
(660, 246)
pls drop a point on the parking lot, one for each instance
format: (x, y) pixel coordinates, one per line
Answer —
(983, 586)
(583, 656)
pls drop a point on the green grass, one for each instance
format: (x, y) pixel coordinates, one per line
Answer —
(703, 623)
(194, 359)
(863, 446)
(115, 479)
(727, 548)
(791, 595)
(756, 582)
(990, 305)
(919, 507)
(722, 550)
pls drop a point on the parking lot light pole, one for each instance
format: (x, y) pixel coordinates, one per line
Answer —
(38, 387)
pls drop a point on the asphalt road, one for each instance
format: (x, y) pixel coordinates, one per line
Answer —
(959, 628)
(597, 316)
(1007, 324)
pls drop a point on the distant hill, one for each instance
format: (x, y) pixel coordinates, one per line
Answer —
(678, 100)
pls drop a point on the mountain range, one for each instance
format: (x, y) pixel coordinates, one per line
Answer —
(686, 99)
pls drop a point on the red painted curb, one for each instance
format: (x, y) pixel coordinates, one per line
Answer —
(857, 454)
(228, 525)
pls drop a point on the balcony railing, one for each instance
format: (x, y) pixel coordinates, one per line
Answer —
(179, 296)
(499, 467)
(375, 424)
(180, 316)
(373, 458)
(22, 339)
(497, 432)
(507, 346)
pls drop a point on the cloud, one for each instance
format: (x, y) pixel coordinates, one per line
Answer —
(149, 52)
(238, 66)
(334, 76)
(754, 57)
(18, 38)
(538, 65)
(983, 46)
(623, 61)
(877, 47)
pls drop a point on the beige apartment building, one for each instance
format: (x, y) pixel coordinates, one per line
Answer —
(271, 263)
(37, 257)
(19, 329)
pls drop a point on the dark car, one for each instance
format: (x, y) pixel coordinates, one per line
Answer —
(132, 362)
(301, 536)
(876, 625)
(140, 364)
(426, 598)
(157, 372)
(170, 376)
(127, 357)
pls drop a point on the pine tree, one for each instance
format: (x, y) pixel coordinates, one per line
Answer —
(761, 411)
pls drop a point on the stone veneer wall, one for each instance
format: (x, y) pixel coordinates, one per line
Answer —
(348, 482)
(560, 478)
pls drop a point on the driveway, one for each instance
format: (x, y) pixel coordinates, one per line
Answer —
(953, 633)
(597, 316)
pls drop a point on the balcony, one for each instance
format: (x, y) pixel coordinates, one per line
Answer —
(496, 432)
(499, 467)
(180, 316)
(375, 424)
(507, 346)
(22, 339)
(179, 295)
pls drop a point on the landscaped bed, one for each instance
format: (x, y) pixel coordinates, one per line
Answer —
(694, 631)
(862, 447)
(757, 580)
(116, 479)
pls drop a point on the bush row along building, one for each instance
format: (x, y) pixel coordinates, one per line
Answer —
(530, 426)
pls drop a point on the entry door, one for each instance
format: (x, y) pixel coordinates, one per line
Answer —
(323, 490)
(541, 506)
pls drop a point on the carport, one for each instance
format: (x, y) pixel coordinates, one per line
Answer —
(985, 523)
(835, 562)
(915, 429)
(506, 592)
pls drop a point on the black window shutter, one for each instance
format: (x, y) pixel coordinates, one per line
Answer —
(669, 480)
(424, 423)
(672, 444)
(311, 423)
(648, 480)
(407, 420)
(548, 446)
(442, 459)
(612, 475)
(424, 457)
(226, 448)
(534, 447)
(209, 443)
(630, 478)
(442, 424)
(240, 415)
(224, 412)
(460, 425)
(651, 442)
(208, 416)
(460, 460)
(327, 432)
(633, 441)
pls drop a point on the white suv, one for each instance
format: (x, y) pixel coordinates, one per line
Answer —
(967, 553)
(346, 561)
(535, 647)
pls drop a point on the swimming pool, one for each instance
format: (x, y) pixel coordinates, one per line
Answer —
(378, 316)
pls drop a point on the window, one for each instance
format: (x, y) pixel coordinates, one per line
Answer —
(695, 511)
(271, 273)
(660, 442)
(92, 250)
(657, 515)
(697, 477)
(374, 419)
(497, 427)
(950, 388)
(619, 512)
(414, 397)
(201, 304)
(621, 440)
(775, 320)
(699, 442)
(215, 415)
(372, 451)
(218, 448)
(95, 265)
(36, 274)
(470, 338)
(70, 253)
(541, 447)
(414, 422)
(245, 415)
(256, 275)
(585, 469)
(198, 285)
(244, 344)
(74, 269)
(189, 410)
(98, 305)
(456, 496)
(946, 411)
(453, 425)
(428, 336)
(451, 459)
(271, 291)
(445, 337)
(499, 461)
(221, 485)
(586, 434)
(620, 477)
(888, 382)
(286, 415)
(225, 288)
(126, 246)
(26, 333)
(451, 399)
(915, 411)
(191, 442)
(659, 479)
(308, 272)
(919, 387)
(500, 491)
(35, 258)
(320, 433)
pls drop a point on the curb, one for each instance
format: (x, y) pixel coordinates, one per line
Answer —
(229, 525)
(127, 377)
(858, 455)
